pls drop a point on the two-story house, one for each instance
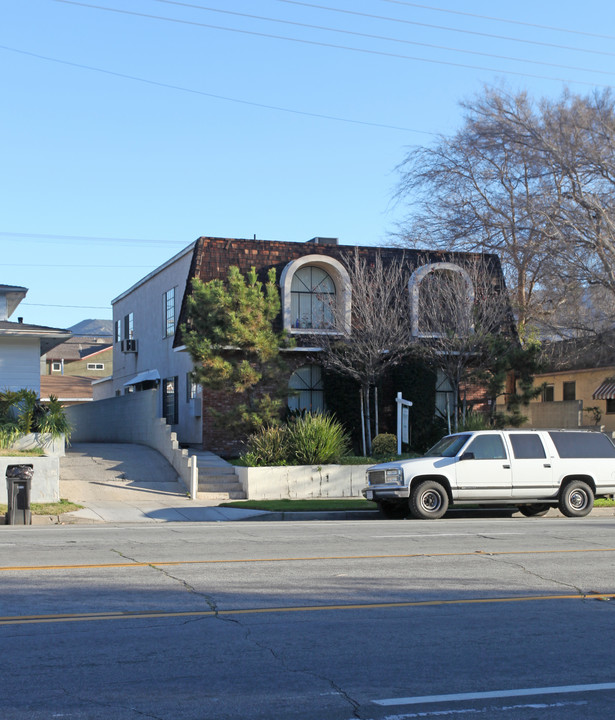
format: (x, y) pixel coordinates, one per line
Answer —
(148, 348)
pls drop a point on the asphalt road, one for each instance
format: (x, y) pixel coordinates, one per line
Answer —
(488, 618)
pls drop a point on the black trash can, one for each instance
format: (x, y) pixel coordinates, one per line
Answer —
(18, 484)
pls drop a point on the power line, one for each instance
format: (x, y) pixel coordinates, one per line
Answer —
(226, 98)
(439, 27)
(64, 265)
(74, 307)
(68, 239)
(319, 44)
(499, 19)
(386, 38)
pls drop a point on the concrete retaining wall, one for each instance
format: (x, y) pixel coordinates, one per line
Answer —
(45, 484)
(44, 441)
(302, 481)
(133, 418)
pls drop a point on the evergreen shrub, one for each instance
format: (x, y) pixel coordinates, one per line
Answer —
(384, 444)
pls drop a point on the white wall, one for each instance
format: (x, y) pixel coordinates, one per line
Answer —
(20, 364)
(155, 352)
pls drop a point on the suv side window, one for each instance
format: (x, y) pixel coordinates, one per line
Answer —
(487, 447)
(527, 445)
(582, 445)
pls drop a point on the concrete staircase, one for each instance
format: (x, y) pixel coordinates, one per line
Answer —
(217, 479)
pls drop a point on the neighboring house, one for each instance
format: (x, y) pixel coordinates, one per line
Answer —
(68, 370)
(22, 344)
(148, 349)
(579, 390)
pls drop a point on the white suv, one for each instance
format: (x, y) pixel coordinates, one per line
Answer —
(532, 469)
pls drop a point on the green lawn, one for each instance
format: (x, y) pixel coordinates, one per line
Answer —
(48, 508)
(329, 504)
(302, 505)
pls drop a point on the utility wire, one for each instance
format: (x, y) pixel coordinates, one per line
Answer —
(498, 19)
(440, 27)
(386, 38)
(320, 44)
(226, 98)
(69, 239)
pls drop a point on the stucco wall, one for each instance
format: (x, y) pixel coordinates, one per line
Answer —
(155, 351)
(302, 481)
(45, 483)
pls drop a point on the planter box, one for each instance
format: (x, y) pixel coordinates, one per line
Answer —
(49, 445)
(302, 481)
(45, 485)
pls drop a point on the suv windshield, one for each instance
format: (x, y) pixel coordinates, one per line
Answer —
(449, 446)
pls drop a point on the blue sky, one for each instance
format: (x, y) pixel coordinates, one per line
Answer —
(126, 135)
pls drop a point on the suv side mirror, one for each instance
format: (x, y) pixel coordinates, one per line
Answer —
(467, 456)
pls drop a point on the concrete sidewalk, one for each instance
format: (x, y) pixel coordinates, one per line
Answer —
(126, 483)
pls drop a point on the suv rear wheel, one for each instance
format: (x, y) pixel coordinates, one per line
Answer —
(576, 499)
(428, 500)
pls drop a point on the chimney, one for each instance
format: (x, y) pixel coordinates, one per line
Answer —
(323, 241)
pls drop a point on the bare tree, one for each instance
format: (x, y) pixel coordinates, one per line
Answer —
(378, 336)
(532, 182)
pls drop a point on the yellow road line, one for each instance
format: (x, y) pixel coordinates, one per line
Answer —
(154, 563)
(144, 615)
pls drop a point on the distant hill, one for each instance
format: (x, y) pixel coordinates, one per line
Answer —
(93, 328)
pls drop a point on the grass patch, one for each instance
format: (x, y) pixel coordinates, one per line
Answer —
(303, 505)
(34, 452)
(63, 506)
(604, 502)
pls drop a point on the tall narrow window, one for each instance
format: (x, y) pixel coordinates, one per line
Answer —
(118, 331)
(570, 390)
(168, 309)
(307, 390)
(129, 327)
(312, 298)
(169, 400)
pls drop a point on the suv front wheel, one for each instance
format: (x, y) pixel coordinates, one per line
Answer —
(428, 501)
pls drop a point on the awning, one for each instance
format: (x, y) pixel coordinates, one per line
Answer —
(146, 376)
(606, 391)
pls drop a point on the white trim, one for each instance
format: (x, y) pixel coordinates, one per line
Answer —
(413, 289)
(340, 278)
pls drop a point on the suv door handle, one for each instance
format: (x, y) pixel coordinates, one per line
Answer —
(547, 465)
(506, 466)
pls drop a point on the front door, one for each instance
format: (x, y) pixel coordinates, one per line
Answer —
(484, 473)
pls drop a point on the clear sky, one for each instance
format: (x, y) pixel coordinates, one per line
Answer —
(131, 127)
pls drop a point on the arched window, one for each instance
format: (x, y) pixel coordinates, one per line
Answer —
(307, 390)
(441, 300)
(312, 298)
(316, 295)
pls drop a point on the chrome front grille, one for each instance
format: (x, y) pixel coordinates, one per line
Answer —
(387, 476)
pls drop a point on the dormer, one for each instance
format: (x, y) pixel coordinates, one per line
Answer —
(10, 297)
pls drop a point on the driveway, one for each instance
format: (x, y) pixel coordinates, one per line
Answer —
(122, 482)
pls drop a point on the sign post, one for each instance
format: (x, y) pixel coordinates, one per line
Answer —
(403, 421)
